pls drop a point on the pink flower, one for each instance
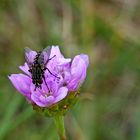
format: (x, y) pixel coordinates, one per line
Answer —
(71, 76)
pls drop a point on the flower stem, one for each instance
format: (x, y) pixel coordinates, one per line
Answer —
(59, 122)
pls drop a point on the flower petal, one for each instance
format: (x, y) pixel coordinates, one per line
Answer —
(85, 58)
(40, 99)
(78, 71)
(55, 51)
(22, 83)
(25, 69)
(62, 92)
(63, 61)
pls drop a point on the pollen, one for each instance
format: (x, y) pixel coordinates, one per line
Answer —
(46, 94)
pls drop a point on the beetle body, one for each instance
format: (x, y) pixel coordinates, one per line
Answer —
(37, 67)
(37, 70)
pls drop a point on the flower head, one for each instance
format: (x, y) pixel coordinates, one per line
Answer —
(59, 77)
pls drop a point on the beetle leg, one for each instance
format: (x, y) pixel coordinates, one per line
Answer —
(51, 73)
(30, 70)
(50, 59)
(46, 83)
(35, 88)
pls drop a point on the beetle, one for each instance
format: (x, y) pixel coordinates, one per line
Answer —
(37, 66)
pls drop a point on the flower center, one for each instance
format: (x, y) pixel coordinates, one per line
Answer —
(46, 94)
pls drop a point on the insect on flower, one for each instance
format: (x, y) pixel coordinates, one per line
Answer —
(38, 66)
(63, 78)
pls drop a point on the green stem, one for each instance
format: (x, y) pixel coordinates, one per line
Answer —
(59, 122)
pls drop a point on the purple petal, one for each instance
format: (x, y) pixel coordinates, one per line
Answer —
(78, 72)
(22, 83)
(57, 61)
(25, 69)
(55, 51)
(85, 58)
(51, 84)
(62, 92)
(63, 61)
(41, 98)
(67, 76)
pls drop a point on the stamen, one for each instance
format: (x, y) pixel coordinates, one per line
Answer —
(46, 94)
(43, 91)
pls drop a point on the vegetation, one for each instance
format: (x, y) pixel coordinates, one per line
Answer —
(108, 31)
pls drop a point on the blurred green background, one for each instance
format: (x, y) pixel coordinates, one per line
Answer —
(109, 32)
